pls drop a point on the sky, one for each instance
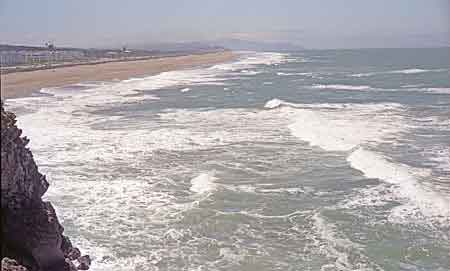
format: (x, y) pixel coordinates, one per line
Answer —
(312, 24)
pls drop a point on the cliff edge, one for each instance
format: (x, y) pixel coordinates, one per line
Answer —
(31, 235)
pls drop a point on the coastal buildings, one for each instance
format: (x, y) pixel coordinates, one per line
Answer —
(21, 58)
(37, 57)
(15, 58)
(27, 55)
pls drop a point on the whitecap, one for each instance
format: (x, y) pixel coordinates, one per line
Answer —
(341, 87)
(430, 203)
(354, 125)
(250, 60)
(363, 74)
(410, 71)
(250, 72)
(274, 103)
(345, 254)
(203, 183)
(440, 157)
(438, 90)
(412, 86)
(404, 71)
(284, 73)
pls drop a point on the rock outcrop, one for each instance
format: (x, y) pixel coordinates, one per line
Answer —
(31, 236)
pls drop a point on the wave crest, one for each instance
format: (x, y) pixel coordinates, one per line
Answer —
(341, 87)
(429, 203)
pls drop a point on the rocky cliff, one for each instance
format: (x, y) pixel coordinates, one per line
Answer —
(31, 236)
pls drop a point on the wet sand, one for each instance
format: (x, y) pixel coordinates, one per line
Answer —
(22, 84)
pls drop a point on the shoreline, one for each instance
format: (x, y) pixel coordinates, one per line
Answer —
(25, 83)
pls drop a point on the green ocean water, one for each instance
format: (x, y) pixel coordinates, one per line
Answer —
(311, 160)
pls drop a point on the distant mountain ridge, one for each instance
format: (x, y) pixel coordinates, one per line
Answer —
(222, 44)
(247, 45)
(187, 47)
(179, 47)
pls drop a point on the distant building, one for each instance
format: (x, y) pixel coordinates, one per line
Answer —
(35, 57)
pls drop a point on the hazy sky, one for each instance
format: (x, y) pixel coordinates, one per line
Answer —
(313, 24)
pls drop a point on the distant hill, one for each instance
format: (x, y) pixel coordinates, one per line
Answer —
(246, 45)
(218, 45)
(181, 47)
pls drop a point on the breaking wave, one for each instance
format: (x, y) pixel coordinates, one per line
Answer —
(404, 71)
(341, 87)
(203, 183)
(429, 203)
(351, 130)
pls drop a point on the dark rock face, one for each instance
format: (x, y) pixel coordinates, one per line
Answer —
(31, 233)
(85, 262)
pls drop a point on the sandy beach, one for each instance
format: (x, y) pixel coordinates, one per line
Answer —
(22, 84)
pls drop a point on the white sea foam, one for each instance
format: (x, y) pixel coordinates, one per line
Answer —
(341, 87)
(404, 71)
(90, 169)
(344, 130)
(75, 149)
(419, 87)
(361, 125)
(430, 203)
(353, 125)
(412, 86)
(289, 215)
(274, 103)
(74, 134)
(438, 90)
(250, 72)
(440, 157)
(173, 78)
(294, 73)
(115, 143)
(345, 254)
(229, 255)
(291, 190)
(250, 60)
(208, 76)
(440, 123)
(185, 89)
(203, 183)
(325, 107)
(283, 73)
(363, 74)
(327, 232)
(84, 160)
(318, 131)
(410, 71)
(372, 196)
(136, 89)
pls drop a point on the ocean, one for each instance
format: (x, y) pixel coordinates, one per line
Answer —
(312, 160)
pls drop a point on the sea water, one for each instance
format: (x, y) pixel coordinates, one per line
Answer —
(312, 160)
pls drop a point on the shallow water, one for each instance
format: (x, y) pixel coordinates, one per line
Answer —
(315, 160)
